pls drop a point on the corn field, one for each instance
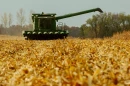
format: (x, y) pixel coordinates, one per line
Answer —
(67, 62)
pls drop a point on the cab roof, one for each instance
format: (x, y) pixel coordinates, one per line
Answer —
(43, 14)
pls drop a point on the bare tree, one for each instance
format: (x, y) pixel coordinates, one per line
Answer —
(9, 19)
(30, 16)
(21, 17)
(4, 20)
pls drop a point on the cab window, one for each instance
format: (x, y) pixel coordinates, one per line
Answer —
(45, 23)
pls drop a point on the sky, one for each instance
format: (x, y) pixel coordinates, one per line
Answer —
(61, 7)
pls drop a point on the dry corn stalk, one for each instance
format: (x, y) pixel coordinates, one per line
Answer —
(68, 62)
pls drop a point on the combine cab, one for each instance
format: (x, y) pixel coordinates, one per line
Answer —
(44, 26)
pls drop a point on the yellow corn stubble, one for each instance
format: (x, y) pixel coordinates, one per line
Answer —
(68, 62)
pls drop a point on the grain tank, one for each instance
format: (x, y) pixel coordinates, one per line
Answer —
(44, 25)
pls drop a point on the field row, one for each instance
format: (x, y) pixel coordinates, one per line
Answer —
(71, 62)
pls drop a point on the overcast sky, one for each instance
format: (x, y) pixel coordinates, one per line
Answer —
(61, 7)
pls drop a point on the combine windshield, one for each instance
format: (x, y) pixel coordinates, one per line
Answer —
(45, 23)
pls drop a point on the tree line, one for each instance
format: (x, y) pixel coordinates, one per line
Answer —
(98, 26)
(8, 27)
(105, 25)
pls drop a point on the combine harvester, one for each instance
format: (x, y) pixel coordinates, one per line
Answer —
(44, 26)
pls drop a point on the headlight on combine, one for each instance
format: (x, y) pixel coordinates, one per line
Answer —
(45, 32)
(39, 32)
(28, 32)
(61, 32)
(34, 32)
(50, 32)
(56, 32)
(23, 32)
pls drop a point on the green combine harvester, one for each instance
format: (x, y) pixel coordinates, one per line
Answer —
(44, 26)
